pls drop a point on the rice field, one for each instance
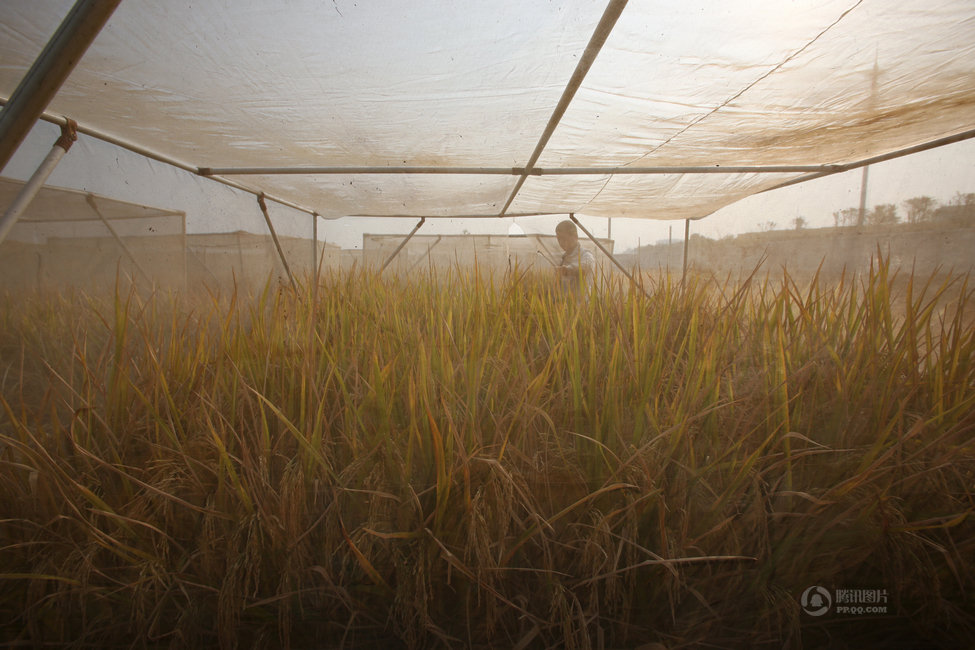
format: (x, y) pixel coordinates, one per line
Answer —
(475, 461)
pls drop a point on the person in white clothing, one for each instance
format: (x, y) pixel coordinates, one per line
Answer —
(578, 265)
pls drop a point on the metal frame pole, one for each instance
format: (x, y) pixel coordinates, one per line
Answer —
(36, 182)
(402, 244)
(167, 160)
(211, 172)
(426, 254)
(606, 23)
(274, 236)
(687, 236)
(609, 255)
(186, 245)
(59, 57)
(314, 259)
(542, 249)
(90, 199)
(314, 243)
(873, 160)
(240, 260)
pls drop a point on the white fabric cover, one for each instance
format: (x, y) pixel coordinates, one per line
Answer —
(281, 83)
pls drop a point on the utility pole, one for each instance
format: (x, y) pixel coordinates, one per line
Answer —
(862, 214)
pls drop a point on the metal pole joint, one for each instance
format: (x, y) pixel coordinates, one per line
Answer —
(69, 134)
(402, 244)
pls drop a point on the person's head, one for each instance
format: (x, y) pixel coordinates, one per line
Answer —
(567, 235)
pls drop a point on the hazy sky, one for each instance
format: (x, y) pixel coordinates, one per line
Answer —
(940, 173)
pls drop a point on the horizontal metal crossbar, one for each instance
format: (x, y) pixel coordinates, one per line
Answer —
(524, 171)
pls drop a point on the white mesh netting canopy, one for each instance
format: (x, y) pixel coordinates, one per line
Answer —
(59, 212)
(499, 107)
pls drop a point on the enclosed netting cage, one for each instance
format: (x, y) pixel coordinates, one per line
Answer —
(495, 253)
(249, 260)
(626, 110)
(69, 238)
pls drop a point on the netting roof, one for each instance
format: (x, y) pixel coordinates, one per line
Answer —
(57, 204)
(468, 96)
(64, 212)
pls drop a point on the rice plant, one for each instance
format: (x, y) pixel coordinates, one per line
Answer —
(468, 460)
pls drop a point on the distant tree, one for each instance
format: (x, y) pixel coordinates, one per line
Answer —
(961, 198)
(883, 214)
(846, 217)
(959, 211)
(967, 202)
(920, 208)
(964, 200)
(766, 226)
(799, 223)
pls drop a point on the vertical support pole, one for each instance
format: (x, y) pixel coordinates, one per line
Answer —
(59, 57)
(402, 244)
(609, 255)
(687, 237)
(240, 260)
(314, 244)
(315, 269)
(186, 260)
(274, 236)
(27, 193)
(670, 245)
